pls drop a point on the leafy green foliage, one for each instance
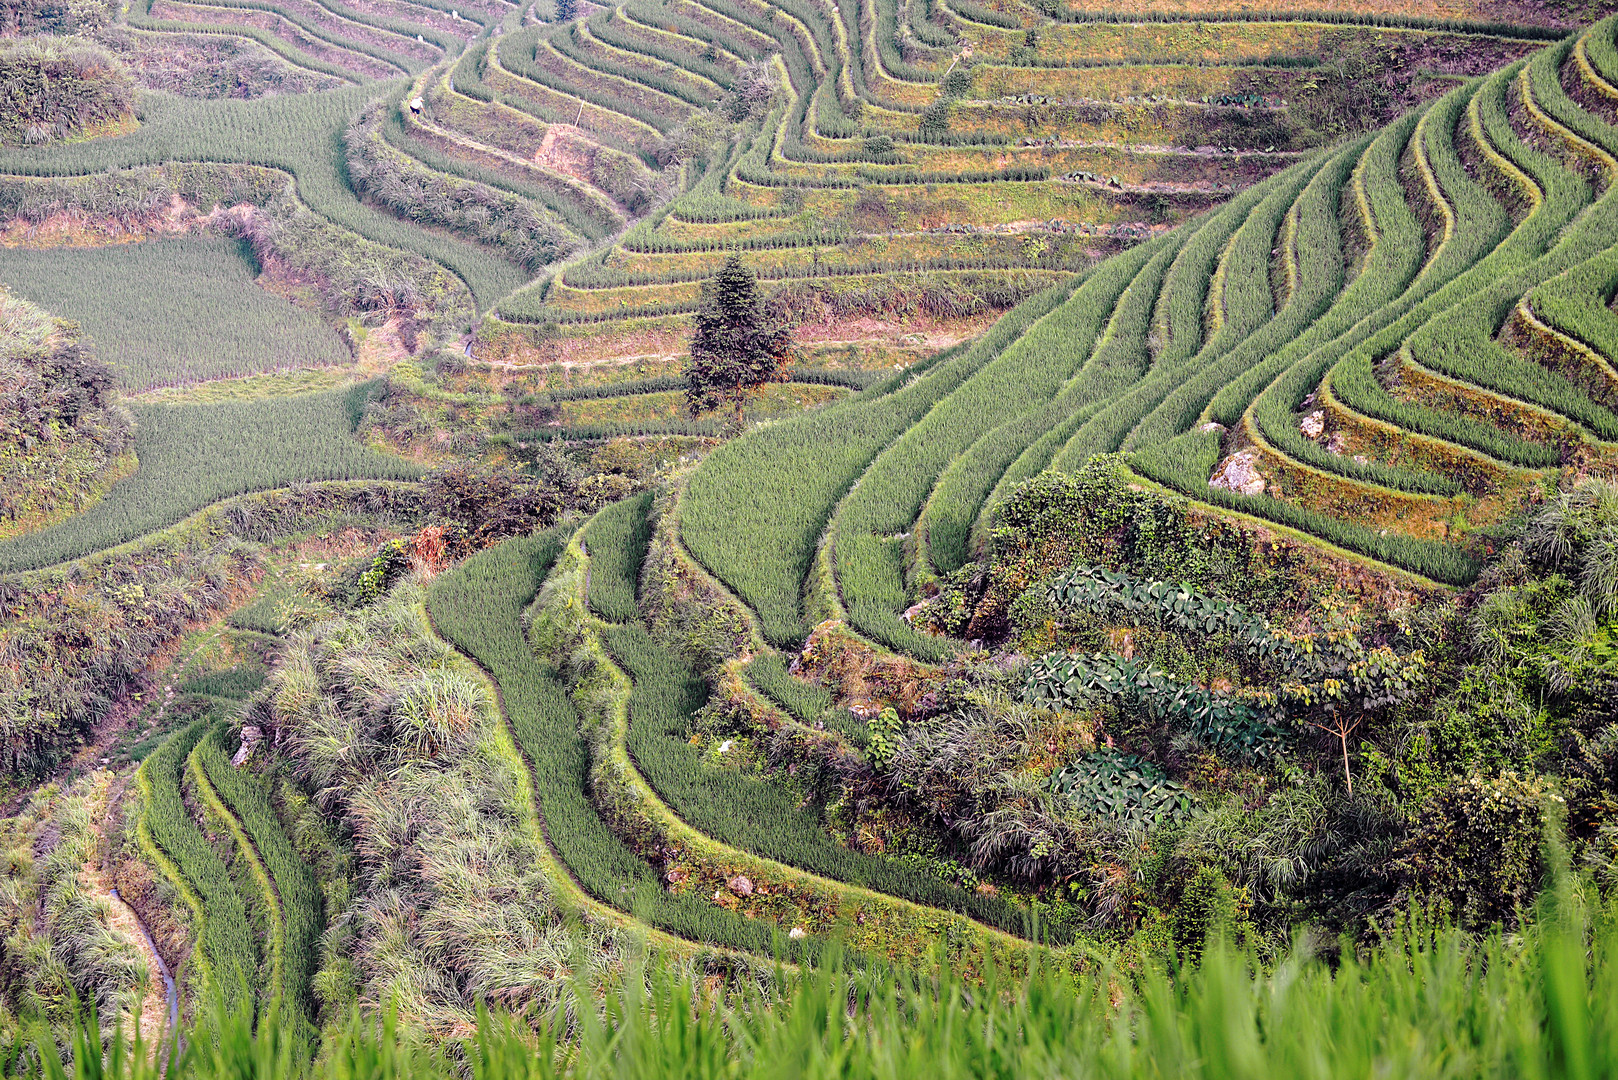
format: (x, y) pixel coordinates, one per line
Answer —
(1124, 787)
(1475, 847)
(885, 729)
(1065, 680)
(1095, 590)
(1332, 679)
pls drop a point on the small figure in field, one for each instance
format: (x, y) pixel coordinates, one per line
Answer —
(736, 347)
(416, 105)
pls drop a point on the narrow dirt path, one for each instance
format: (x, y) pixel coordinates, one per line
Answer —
(162, 991)
(160, 1008)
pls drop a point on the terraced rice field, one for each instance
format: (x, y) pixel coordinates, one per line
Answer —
(1396, 337)
(938, 154)
(916, 159)
(1206, 254)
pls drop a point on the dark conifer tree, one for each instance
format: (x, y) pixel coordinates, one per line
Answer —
(735, 347)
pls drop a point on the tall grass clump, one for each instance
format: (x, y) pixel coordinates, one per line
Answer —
(399, 742)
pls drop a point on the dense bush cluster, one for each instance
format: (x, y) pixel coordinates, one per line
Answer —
(60, 424)
(83, 635)
(50, 89)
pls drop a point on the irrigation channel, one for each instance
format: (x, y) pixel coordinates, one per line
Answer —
(169, 992)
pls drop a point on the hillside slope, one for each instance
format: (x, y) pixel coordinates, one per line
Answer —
(1383, 347)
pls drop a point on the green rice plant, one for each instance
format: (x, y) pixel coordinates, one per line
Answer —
(1247, 227)
(1435, 560)
(927, 20)
(246, 797)
(227, 952)
(236, 683)
(152, 309)
(297, 133)
(139, 16)
(591, 275)
(528, 54)
(1032, 442)
(756, 507)
(1460, 342)
(805, 701)
(494, 218)
(884, 14)
(741, 37)
(1577, 303)
(1424, 1000)
(320, 31)
(1319, 306)
(1545, 91)
(1327, 17)
(1601, 49)
(954, 510)
(257, 888)
(1475, 223)
(976, 13)
(624, 429)
(194, 455)
(411, 26)
(620, 29)
(617, 539)
(479, 608)
(580, 45)
(552, 100)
